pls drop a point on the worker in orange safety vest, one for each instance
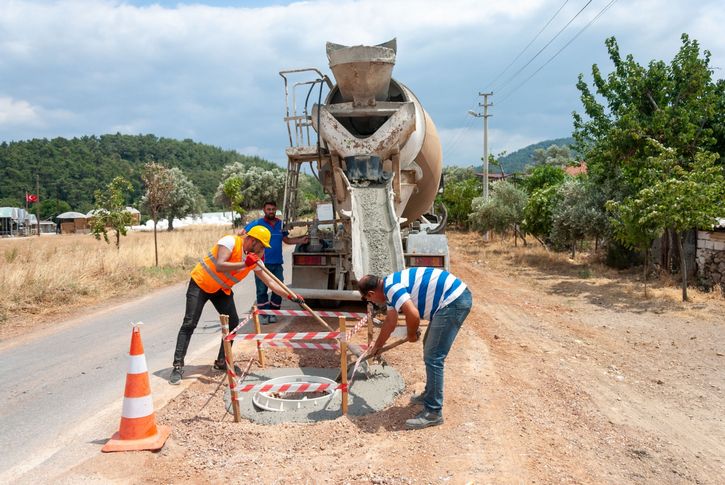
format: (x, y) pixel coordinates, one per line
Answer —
(230, 260)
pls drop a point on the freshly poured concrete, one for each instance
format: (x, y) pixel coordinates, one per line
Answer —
(367, 395)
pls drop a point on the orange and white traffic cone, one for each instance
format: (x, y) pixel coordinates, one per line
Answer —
(138, 430)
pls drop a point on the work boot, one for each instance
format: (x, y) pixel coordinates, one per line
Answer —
(417, 399)
(176, 373)
(222, 366)
(424, 419)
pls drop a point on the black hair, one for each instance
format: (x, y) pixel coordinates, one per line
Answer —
(270, 202)
(367, 283)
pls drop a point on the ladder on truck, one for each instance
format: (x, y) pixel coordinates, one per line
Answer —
(300, 130)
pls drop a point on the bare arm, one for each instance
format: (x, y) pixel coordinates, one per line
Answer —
(412, 320)
(296, 240)
(222, 260)
(391, 320)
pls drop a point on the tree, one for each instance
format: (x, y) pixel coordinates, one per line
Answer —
(159, 185)
(543, 176)
(49, 208)
(574, 216)
(457, 197)
(539, 212)
(258, 185)
(184, 198)
(677, 198)
(232, 188)
(110, 211)
(502, 212)
(559, 156)
(637, 111)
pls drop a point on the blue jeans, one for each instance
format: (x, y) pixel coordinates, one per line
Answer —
(438, 339)
(264, 302)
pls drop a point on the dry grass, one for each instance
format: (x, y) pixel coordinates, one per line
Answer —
(53, 275)
(583, 275)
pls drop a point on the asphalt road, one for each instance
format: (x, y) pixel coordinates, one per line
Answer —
(62, 387)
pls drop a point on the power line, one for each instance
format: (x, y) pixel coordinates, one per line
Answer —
(601, 12)
(527, 45)
(546, 45)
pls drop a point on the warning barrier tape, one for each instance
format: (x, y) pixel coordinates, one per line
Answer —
(288, 336)
(305, 313)
(289, 387)
(301, 345)
(360, 324)
(232, 335)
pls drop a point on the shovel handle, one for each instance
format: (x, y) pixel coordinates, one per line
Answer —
(290, 292)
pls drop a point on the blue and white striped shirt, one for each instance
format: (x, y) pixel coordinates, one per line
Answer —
(430, 289)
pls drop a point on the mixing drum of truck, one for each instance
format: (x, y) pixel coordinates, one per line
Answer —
(378, 157)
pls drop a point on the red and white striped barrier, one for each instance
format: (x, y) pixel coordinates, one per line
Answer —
(289, 387)
(301, 345)
(305, 313)
(360, 324)
(288, 336)
(233, 333)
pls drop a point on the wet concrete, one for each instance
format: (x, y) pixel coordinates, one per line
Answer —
(367, 395)
(376, 231)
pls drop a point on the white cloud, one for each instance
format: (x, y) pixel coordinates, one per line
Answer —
(211, 73)
(17, 112)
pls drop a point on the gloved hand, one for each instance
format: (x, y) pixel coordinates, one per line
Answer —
(251, 259)
(296, 298)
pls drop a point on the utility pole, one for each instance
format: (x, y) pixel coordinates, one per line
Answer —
(485, 105)
(37, 202)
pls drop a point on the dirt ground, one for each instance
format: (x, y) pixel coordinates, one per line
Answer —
(558, 376)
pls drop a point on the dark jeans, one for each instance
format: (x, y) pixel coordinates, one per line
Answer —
(196, 298)
(264, 302)
(438, 339)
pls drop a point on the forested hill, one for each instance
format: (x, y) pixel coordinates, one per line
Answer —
(517, 161)
(71, 170)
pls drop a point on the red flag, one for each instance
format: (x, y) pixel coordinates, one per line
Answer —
(31, 198)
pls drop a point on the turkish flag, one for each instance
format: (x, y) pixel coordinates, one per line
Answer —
(31, 198)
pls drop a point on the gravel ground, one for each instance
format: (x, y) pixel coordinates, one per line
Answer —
(554, 378)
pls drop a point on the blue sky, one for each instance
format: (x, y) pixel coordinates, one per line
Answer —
(209, 70)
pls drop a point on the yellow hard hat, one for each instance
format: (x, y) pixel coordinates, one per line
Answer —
(261, 234)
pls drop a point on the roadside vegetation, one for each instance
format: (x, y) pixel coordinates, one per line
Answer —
(647, 165)
(50, 276)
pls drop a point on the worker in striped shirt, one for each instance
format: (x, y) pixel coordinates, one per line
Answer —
(422, 293)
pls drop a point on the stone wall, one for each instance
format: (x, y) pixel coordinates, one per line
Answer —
(711, 258)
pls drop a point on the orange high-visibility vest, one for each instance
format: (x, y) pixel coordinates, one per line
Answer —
(211, 280)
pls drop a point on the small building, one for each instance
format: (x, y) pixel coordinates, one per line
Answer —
(710, 257)
(73, 223)
(135, 216)
(9, 224)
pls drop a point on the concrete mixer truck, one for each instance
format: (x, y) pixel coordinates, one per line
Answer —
(378, 157)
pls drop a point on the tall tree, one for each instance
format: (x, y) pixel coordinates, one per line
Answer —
(636, 111)
(159, 184)
(110, 212)
(257, 185)
(184, 198)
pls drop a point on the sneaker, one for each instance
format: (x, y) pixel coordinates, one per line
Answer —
(424, 419)
(176, 373)
(263, 319)
(417, 399)
(272, 318)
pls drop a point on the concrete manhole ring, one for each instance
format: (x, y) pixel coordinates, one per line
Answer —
(292, 401)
